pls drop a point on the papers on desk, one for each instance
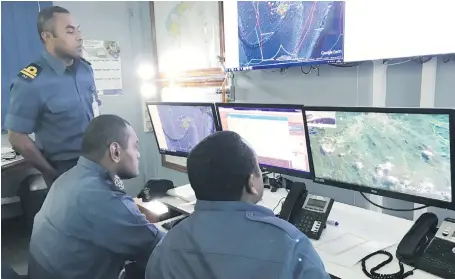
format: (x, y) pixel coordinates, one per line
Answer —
(156, 207)
(345, 248)
(184, 192)
(190, 203)
(6, 149)
(8, 153)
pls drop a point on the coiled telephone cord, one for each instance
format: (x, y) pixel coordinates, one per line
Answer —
(374, 275)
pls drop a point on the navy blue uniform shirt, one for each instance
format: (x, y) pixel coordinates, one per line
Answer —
(88, 227)
(54, 102)
(227, 240)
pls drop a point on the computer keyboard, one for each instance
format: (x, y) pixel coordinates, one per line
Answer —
(168, 225)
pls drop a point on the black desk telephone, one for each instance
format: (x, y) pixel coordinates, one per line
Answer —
(424, 247)
(429, 249)
(155, 188)
(307, 212)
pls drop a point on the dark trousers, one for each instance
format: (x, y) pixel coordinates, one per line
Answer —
(134, 271)
(61, 167)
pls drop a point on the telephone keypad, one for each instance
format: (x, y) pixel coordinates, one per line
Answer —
(311, 224)
(438, 259)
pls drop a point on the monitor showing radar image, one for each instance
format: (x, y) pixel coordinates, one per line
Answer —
(287, 33)
(179, 127)
(385, 152)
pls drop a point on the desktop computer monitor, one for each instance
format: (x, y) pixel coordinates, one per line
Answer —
(398, 153)
(178, 127)
(276, 132)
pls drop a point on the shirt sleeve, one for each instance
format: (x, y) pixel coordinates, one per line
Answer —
(305, 262)
(120, 227)
(24, 108)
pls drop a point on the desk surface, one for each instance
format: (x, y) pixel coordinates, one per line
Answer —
(13, 162)
(370, 224)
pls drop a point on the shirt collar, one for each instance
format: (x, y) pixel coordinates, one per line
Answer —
(89, 164)
(231, 206)
(56, 64)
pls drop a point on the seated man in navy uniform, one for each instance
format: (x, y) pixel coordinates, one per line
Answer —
(229, 236)
(88, 226)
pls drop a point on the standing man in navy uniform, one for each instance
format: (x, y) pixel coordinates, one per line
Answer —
(228, 235)
(54, 97)
(88, 226)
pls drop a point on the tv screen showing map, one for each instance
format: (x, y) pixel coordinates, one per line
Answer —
(271, 34)
(406, 153)
(179, 127)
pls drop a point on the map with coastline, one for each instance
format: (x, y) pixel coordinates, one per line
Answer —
(185, 126)
(278, 32)
(407, 153)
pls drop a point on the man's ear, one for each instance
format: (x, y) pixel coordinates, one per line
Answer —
(250, 187)
(46, 35)
(114, 152)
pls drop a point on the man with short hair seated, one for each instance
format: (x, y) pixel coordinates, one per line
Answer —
(228, 236)
(88, 226)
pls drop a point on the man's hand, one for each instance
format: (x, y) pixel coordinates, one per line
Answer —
(26, 147)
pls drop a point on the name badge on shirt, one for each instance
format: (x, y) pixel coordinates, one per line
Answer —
(95, 107)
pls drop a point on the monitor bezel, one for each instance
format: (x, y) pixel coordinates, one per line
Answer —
(388, 193)
(195, 104)
(267, 168)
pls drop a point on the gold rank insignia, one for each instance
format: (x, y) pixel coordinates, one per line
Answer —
(30, 72)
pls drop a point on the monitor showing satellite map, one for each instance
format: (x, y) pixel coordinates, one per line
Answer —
(284, 33)
(399, 152)
(181, 126)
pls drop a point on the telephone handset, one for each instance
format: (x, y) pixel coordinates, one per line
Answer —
(307, 212)
(294, 201)
(417, 238)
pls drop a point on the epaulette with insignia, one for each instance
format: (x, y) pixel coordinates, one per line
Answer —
(83, 59)
(30, 72)
(117, 183)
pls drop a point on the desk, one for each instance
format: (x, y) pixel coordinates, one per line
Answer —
(371, 224)
(14, 171)
(150, 215)
(7, 164)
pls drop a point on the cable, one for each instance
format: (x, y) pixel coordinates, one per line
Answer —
(392, 209)
(424, 59)
(393, 64)
(374, 275)
(283, 70)
(346, 65)
(308, 72)
(447, 58)
(279, 202)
